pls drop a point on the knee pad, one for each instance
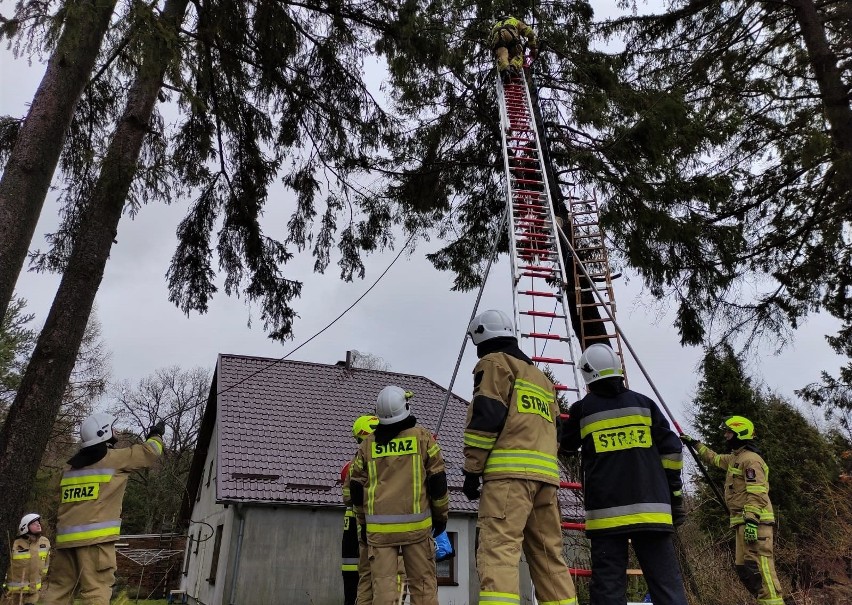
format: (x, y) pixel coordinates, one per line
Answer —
(750, 576)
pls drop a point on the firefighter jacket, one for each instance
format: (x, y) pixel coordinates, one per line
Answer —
(510, 432)
(746, 483)
(632, 461)
(399, 485)
(91, 497)
(349, 544)
(506, 33)
(30, 560)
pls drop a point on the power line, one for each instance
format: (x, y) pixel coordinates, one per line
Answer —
(333, 321)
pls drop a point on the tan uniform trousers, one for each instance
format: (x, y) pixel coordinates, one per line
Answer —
(420, 572)
(504, 56)
(755, 565)
(19, 598)
(91, 569)
(365, 577)
(515, 514)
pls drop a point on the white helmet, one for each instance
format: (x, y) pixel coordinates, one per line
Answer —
(97, 428)
(392, 404)
(24, 525)
(490, 324)
(599, 361)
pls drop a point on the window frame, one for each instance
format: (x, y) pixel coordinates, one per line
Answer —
(214, 558)
(453, 578)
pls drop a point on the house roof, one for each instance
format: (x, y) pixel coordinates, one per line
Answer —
(284, 429)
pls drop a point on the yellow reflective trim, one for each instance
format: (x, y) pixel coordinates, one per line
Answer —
(622, 520)
(433, 451)
(674, 465)
(371, 487)
(531, 399)
(734, 470)
(530, 386)
(615, 423)
(23, 555)
(623, 438)
(559, 602)
(767, 578)
(498, 598)
(156, 444)
(757, 489)
(347, 567)
(86, 535)
(416, 482)
(85, 479)
(478, 441)
(390, 528)
(441, 501)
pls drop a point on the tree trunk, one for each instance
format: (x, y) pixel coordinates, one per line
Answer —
(825, 64)
(38, 146)
(25, 433)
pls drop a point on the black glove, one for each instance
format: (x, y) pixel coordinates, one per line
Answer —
(678, 511)
(157, 430)
(471, 485)
(438, 527)
(533, 53)
(689, 440)
(363, 529)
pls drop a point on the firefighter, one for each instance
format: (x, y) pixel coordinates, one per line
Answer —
(30, 560)
(632, 464)
(89, 522)
(506, 44)
(357, 582)
(747, 498)
(399, 488)
(510, 445)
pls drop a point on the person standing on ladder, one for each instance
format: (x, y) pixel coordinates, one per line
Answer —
(357, 582)
(506, 44)
(747, 499)
(510, 445)
(29, 563)
(632, 464)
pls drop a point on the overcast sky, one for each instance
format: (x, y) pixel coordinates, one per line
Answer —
(411, 319)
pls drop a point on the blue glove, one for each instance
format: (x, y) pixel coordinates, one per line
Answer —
(443, 547)
(750, 532)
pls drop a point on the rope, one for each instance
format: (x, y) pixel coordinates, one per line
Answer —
(491, 258)
(331, 323)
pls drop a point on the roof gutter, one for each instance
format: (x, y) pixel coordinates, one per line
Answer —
(241, 515)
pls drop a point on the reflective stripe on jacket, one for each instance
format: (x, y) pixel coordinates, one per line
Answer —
(632, 462)
(510, 431)
(510, 28)
(746, 483)
(398, 508)
(28, 565)
(91, 497)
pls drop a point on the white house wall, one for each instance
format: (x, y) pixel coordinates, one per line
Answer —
(206, 517)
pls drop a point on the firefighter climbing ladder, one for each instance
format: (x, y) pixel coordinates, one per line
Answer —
(540, 287)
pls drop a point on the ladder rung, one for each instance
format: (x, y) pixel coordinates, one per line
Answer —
(544, 336)
(542, 314)
(535, 221)
(538, 293)
(596, 321)
(576, 526)
(540, 275)
(570, 485)
(539, 251)
(583, 573)
(562, 387)
(605, 336)
(551, 360)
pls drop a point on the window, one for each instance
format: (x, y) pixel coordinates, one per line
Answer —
(447, 574)
(214, 561)
(188, 555)
(209, 473)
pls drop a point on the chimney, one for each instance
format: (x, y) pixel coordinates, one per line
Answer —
(348, 363)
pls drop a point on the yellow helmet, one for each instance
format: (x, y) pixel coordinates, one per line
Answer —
(363, 426)
(740, 426)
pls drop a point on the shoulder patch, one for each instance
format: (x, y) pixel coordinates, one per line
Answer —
(750, 474)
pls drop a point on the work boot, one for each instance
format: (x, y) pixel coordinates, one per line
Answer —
(505, 75)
